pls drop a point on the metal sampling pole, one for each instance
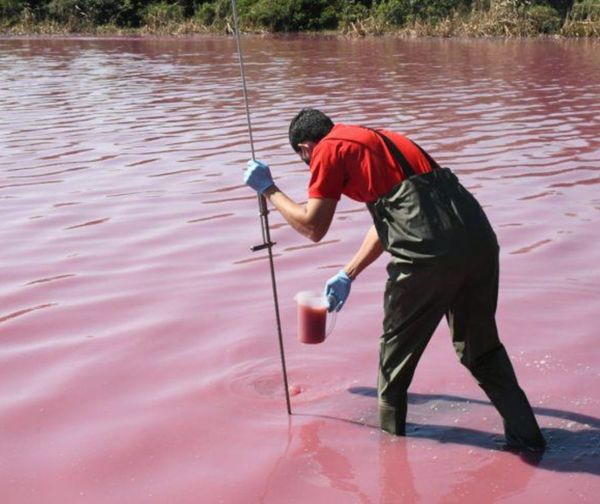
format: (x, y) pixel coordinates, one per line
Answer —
(263, 212)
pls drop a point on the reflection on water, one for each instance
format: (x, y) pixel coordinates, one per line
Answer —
(136, 328)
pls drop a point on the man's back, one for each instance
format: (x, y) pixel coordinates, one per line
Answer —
(354, 161)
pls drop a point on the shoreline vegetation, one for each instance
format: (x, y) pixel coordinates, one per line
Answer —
(404, 18)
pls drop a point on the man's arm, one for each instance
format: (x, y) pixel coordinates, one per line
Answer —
(368, 252)
(311, 220)
(337, 288)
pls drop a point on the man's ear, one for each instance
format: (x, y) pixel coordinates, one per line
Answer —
(307, 147)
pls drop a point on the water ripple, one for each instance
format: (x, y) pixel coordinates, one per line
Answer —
(25, 311)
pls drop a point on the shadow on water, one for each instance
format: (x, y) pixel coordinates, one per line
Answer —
(568, 450)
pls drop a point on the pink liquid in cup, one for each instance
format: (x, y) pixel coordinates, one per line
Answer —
(312, 318)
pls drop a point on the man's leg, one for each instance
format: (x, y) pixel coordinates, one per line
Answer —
(415, 302)
(475, 337)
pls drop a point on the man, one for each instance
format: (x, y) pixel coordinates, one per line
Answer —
(444, 258)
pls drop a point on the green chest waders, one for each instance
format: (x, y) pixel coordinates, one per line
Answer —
(444, 262)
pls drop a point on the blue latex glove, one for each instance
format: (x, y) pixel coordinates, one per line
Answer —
(337, 290)
(258, 176)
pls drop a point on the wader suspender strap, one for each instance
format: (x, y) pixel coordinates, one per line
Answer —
(432, 162)
(399, 157)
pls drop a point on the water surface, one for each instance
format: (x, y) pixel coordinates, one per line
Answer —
(138, 351)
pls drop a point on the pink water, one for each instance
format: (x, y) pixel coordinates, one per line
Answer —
(138, 352)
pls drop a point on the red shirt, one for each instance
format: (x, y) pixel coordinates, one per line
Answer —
(354, 161)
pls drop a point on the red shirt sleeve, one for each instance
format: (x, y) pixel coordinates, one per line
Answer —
(327, 172)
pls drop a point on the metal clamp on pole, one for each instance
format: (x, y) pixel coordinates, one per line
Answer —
(262, 246)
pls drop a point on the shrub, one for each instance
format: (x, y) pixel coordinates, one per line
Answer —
(293, 15)
(278, 15)
(395, 12)
(544, 19)
(68, 11)
(96, 12)
(586, 10)
(561, 6)
(11, 9)
(352, 12)
(161, 15)
(129, 13)
(503, 18)
(216, 13)
(583, 20)
(436, 10)
(206, 14)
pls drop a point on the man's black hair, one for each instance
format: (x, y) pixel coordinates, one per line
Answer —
(309, 125)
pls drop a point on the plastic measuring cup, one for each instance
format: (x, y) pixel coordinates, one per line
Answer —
(312, 317)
